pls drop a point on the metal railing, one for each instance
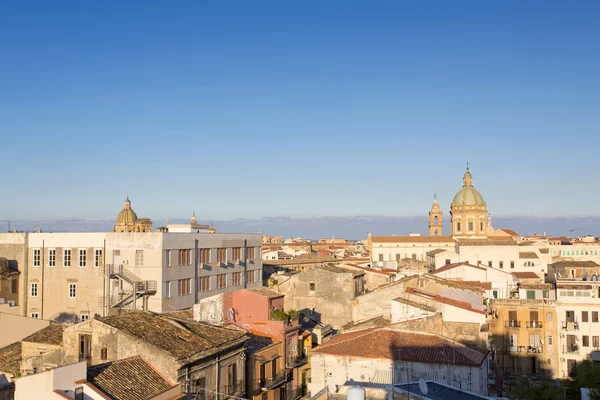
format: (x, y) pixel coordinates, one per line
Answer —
(573, 349)
(236, 389)
(270, 382)
(297, 361)
(513, 323)
(534, 324)
(294, 393)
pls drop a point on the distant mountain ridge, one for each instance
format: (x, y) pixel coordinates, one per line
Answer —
(353, 227)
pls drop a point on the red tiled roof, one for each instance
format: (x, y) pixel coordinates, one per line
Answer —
(526, 275)
(559, 286)
(401, 345)
(455, 265)
(528, 255)
(412, 239)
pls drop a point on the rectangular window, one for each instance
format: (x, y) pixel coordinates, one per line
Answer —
(204, 256)
(35, 315)
(168, 289)
(14, 286)
(51, 257)
(185, 287)
(458, 226)
(594, 316)
(168, 254)
(204, 283)
(33, 289)
(221, 255)
(586, 341)
(512, 264)
(546, 294)
(185, 257)
(550, 340)
(37, 256)
(104, 353)
(250, 277)
(72, 290)
(82, 257)
(490, 264)
(311, 286)
(79, 393)
(139, 258)
(584, 316)
(237, 278)
(98, 259)
(481, 226)
(84, 317)
(470, 226)
(250, 253)
(501, 264)
(531, 294)
(221, 281)
(66, 257)
(237, 251)
(596, 341)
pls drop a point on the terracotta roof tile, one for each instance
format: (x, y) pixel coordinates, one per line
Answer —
(510, 232)
(10, 358)
(528, 255)
(128, 379)
(400, 345)
(266, 292)
(177, 337)
(412, 239)
(52, 334)
(526, 275)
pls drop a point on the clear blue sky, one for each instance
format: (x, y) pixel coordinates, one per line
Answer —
(306, 108)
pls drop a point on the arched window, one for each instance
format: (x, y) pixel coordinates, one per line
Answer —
(435, 220)
(458, 227)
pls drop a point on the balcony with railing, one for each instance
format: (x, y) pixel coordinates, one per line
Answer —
(513, 323)
(297, 361)
(570, 326)
(571, 349)
(293, 393)
(237, 390)
(270, 382)
(534, 324)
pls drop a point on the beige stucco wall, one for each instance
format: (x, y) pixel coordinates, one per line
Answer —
(20, 327)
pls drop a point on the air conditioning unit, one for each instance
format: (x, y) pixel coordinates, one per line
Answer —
(2, 300)
(12, 303)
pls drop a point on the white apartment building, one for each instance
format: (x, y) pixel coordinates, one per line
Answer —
(578, 322)
(76, 276)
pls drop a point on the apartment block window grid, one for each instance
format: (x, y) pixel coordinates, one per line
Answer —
(237, 278)
(82, 258)
(98, 258)
(37, 257)
(139, 258)
(204, 284)
(237, 251)
(51, 257)
(72, 290)
(33, 289)
(185, 287)
(185, 257)
(204, 256)
(221, 281)
(66, 257)
(221, 255)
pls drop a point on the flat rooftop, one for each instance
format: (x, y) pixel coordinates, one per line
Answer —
(436, 391)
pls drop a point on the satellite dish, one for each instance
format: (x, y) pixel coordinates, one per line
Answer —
(423, 386)
(332, 387)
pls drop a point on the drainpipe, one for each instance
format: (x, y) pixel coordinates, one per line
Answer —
(26, 274)
(43, 286)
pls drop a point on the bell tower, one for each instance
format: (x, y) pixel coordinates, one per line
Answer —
(435, 219)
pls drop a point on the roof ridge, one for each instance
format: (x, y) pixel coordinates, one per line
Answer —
(364, 332)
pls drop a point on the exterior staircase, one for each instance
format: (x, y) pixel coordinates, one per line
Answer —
(129, 288)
